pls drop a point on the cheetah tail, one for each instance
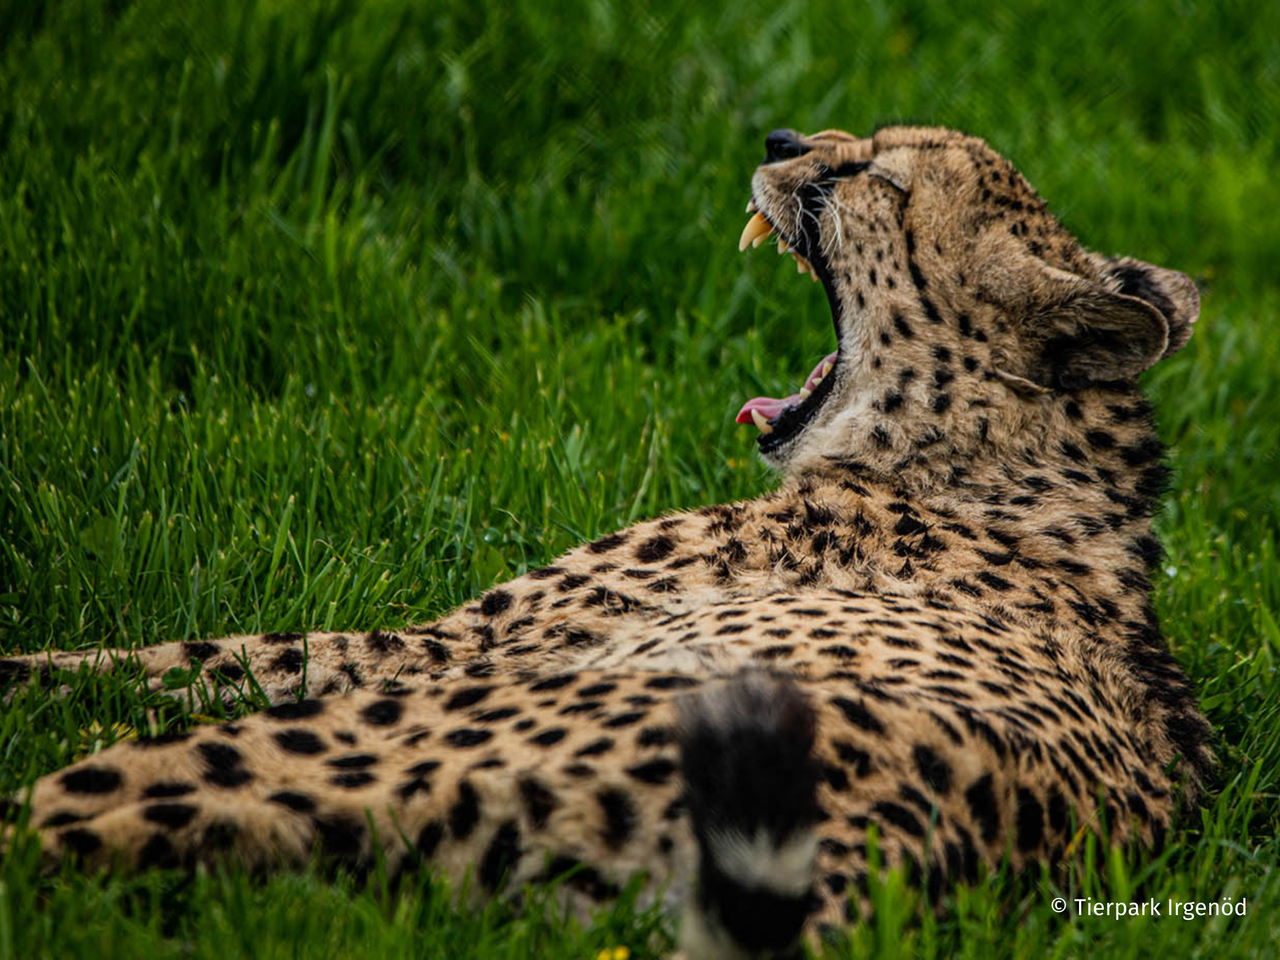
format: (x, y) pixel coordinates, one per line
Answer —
(746, 752)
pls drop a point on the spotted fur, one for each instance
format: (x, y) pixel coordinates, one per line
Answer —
(940, 623)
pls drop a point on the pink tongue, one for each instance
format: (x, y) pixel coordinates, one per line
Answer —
(770, 407)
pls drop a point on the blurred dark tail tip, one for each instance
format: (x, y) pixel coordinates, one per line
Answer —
(746, 752)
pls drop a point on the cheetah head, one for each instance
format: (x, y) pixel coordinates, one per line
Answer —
(962, 308)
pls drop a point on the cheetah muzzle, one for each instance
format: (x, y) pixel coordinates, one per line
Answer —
(938, 625)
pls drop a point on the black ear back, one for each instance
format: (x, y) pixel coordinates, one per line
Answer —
(1172, 293)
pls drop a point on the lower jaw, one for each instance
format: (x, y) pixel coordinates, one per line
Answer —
(792, 422)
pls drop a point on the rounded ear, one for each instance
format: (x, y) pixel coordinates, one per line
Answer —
(895, 167)
(1074, 330)
(1174, 294)
(1093, 334)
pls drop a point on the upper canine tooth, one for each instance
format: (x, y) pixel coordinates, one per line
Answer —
(827, 367)
(761, 422)
(757, 226)
(751, 205)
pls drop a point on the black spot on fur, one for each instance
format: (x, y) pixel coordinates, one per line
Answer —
(655, 549)
(380, 644)
(605, 544)
(351, 781)
(299, 710)
(340, 837)
(899, 816)
(80, 841)
(656, 771)
(158, 854)
(619, 818)
(493, 716)
(548, 737)
(993, 581)
(300, 741)
(858, 715)
(853, 756)
(383, 713)
(538, 801)
(467, 737)
(227, 673)
(173, 736)
(223, 765)
(671, 683)
(495, 602)
(552, 683)
(297, 802)
(429, 838)
(201, 650)
(500, 856)
(14, 671)
(935, 771)
(436, 650)
(467, 697)
(571, 581)
(1030, 821)
(352, 761)
(289, 661)
(171, 815)
(92, 779)
(982, 807)
(282, 637)
(465, 812)
(63, 818)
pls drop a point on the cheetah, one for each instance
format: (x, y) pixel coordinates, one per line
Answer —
(938, 627)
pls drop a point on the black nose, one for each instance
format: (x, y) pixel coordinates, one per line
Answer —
(783, 145)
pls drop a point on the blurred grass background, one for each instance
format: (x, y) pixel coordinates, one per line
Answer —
(331, 314)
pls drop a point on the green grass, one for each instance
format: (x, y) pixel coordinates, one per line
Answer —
(330, 315)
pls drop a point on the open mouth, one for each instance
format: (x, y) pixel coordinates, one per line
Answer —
(780, 419)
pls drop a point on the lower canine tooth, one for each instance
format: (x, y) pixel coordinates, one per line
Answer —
(802, 266)
(761, 422)
(816, 382)
(782, 245)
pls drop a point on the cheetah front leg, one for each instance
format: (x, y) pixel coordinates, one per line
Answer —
(590, 598)
(280, 666)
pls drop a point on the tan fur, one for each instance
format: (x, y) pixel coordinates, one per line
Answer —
(954, 570)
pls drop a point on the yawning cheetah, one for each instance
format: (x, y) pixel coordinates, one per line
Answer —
(940, 623)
